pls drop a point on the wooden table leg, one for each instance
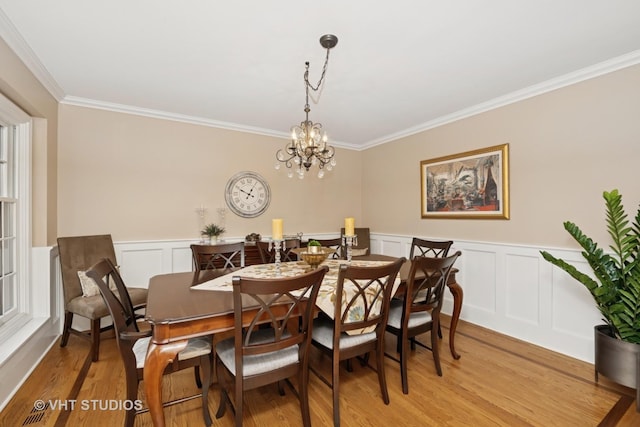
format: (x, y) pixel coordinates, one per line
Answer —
(158, 357)
(456, 291)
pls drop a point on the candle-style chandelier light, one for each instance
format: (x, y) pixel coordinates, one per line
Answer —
(308, 144)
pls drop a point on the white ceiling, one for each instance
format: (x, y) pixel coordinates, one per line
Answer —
(399, 67)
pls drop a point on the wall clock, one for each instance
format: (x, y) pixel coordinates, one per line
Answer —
(247, 194)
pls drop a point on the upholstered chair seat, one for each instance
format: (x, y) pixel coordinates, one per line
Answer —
(196, 347)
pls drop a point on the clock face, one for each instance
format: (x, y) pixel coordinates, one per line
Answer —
(248, 194)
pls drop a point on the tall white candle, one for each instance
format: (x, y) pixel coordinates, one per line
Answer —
(276, 229)
(349, 226)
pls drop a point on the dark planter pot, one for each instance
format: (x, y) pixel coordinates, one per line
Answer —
(617, 360)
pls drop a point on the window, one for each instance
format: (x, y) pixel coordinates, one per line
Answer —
(15, 224)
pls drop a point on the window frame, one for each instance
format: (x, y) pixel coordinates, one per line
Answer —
(12, 117)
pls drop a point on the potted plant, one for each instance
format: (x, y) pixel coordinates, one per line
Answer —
(314, 246)
(213, 231)
(616, 291)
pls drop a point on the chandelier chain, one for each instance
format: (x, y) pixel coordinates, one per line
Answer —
(324, 71)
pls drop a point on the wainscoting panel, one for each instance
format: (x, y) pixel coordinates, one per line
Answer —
(522, 291)
(138, 264)
(182, 259)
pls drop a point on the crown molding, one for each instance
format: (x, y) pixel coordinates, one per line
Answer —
(17, 43)
(158, 114)
(605, 67)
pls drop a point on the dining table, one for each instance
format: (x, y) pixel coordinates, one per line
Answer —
(187, 305)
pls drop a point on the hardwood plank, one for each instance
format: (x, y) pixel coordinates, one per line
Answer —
(499, 381)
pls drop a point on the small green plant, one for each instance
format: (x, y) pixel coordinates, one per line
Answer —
(212, 230)
(314, 243)
(617, 288)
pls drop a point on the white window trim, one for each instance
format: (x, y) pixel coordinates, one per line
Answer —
(11, 115)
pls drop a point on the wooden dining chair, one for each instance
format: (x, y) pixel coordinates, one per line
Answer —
(286, 255)
(419, 311)
(80, 294)
(429, 248)
(335, 244)
(342, 337)
(133, 344)
(363, 247)
(259, 355)
(218, 257)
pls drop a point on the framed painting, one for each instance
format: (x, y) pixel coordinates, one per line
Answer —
(474, 184)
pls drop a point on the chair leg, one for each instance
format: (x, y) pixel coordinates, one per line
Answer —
(68, 320)
(95, 339)
(349, 364)
(132, 396)
(222, 406)
(381, 374)
(335, 373)
(404, 349)
(303, 395)
(435, 349)
(205, 362)
(239, 400)
(196, 373)
(222, 382)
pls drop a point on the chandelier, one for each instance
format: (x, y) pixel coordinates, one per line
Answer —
(308, 146)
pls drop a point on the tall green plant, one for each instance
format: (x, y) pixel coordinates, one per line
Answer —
(617, 288)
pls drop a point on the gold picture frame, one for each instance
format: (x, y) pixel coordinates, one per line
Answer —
(473, 184)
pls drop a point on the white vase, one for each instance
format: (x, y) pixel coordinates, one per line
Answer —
(213, 240)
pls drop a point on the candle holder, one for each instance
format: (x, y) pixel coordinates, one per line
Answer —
(349, 241)
(276, 245)
(201, 211)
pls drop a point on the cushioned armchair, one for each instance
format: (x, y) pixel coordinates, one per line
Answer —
(78, 254)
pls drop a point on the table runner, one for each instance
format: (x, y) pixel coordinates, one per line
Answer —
(326, 296)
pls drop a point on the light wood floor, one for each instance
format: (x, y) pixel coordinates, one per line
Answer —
(498, 381)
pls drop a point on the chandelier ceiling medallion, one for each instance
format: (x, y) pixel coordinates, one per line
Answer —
(308, 144)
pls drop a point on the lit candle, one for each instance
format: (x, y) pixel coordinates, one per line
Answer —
(349, 226)
(276, 229)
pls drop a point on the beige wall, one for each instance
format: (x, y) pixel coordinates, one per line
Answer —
(20, 86)
(566, 148)
(140, 178)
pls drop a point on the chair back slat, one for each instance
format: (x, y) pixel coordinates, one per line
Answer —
(216, 257)
(285, 305)
(429, 248)
(426, 284)
(119, 304)
(369, 287)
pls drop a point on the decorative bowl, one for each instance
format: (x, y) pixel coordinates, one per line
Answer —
(314, 259)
